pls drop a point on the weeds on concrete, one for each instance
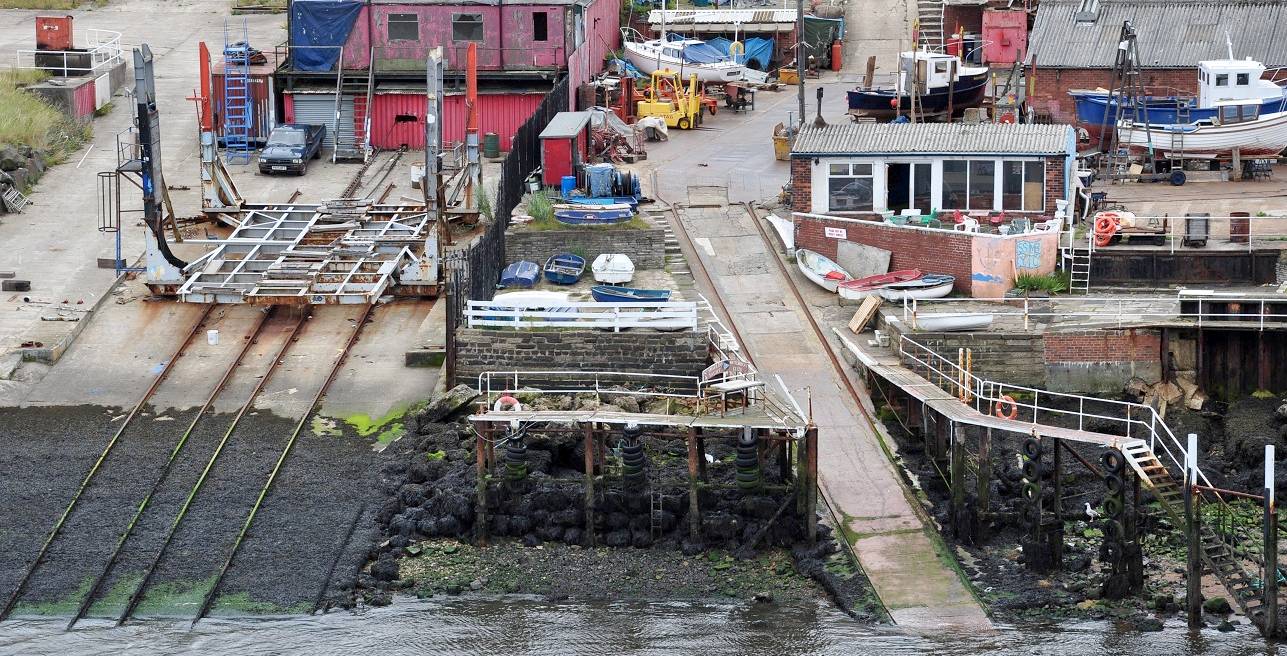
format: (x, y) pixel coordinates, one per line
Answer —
(27, 120)
(275, 5)
(51, 4)
(1052, 283)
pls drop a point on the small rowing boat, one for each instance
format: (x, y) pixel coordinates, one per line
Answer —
(593, 214)
(953, 321)
(613, 268)
(930, 285)
(520, 274)
(862, 287)
(564, 268)
(615, 294)
(820, 269)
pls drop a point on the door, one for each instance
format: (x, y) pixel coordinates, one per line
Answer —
(319, 109)
(907, 186)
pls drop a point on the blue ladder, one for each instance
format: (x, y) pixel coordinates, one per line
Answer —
(237, 107)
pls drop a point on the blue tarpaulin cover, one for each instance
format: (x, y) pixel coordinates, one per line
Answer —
(758, 50)
(320, 23)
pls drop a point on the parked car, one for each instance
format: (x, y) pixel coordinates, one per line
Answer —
(289, 148)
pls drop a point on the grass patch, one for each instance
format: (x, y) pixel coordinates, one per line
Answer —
(539, 207)
(278, 5)
(485, 204)
(27, 120)
(51, 4)
(1052, 283)
(1262, 394)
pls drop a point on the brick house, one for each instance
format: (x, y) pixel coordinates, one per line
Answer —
(1073, 43)
(863, 169)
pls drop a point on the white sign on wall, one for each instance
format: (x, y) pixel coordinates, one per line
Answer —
(836, 233)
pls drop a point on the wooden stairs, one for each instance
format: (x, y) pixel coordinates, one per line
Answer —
(1217, 555)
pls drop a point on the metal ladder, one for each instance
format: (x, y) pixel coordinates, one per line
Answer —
(236, 98)
(14, 201)
(1130, 91)
(931, 33)
(1217, 554)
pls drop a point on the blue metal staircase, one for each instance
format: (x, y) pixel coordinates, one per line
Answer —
(237, 107)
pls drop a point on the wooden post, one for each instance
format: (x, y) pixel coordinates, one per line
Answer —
(701, 456)
(1263, 364)
(784, 460)
(588, 429)
(951, 88)
(984, 482)
(1059, 483)
(1270, 576)
(694, 514)
(869, 78)
(958, 477)
(1193, 520)
(811, 488)
(480, 494)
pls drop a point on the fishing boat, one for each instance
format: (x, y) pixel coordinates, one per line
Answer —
(1221, 82)
(953, 321)
(564, 268)
(1237, 127)
(687, 56)
(520, 274)
(931, 285)
(820, 269)
(593, 215)
(616, 294)
(613, 268)
(860, 288)
(941, 78)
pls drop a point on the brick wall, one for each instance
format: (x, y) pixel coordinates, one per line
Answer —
(1010, 358)
(801, 184)
(646, 248)
(1054, 183)
(645, 351)
(1103, 346)
(928, 250)
(1051, 93)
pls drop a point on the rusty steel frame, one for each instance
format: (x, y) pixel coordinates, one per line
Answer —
(291, 255)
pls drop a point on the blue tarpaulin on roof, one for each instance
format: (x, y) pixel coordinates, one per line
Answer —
(758, 50)
(315, 23)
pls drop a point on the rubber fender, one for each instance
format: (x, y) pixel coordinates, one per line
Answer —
(1113, 461)
(1113, 507)
(1113, 483)
(1032, 448)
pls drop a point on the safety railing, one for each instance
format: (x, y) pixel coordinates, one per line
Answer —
(492, 384)
(601, 316)
(103, 52)
(1200, 307)
(1135, 420)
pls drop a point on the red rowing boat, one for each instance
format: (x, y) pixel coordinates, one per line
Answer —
(861, 287)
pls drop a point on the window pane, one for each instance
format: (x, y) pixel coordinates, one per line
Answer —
(1034, 186)
(1012, 185)
(849, 194)
(1229, 113)
(982, 181)
(921, 187)
(1243, 79)
(1249, 112)
(467, 27)
(839, 169)
(862, 169)
(1222, 80)
(954, 184)
(540, 26)
(404, 27)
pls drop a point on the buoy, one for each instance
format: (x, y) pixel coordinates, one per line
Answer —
(893, 102)
(1014, 407)
(507, 401)
(1106, 225)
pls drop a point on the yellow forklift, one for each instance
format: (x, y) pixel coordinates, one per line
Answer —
(668, 99)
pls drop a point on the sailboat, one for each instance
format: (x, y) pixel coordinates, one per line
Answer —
(687, 56)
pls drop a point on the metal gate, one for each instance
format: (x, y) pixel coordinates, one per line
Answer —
(319, 109)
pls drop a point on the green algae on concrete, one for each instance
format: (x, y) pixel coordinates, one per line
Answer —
(64, 606)
(387, 429)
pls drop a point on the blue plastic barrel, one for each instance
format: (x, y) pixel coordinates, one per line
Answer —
(568, 185)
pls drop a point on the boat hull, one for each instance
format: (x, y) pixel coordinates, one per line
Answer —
(1097, 109)
(520, 274)
(610, 216)
(968, 92)
(649, 64)
(564, 269)
(949, 322)
(864, 287)
(900, 293)
(816, 266)
(612, 294)
(613, 268)
(1263, 137)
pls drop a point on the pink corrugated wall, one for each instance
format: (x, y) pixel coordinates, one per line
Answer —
(602, 35)
(499, 113)
(83, 101)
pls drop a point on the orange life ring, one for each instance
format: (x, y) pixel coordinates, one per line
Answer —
(1014, 407)
(1105, 227)
(507, 401)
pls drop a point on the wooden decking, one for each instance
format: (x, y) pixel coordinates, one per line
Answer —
(884, 363)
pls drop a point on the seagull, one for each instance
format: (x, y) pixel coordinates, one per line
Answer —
(1019, 457)
(1091, 513)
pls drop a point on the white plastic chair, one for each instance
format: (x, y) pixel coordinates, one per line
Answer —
(966, 225)
(1050, 225)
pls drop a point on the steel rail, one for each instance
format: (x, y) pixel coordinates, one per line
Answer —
(88, 599)
(355, 182)
(93, 470)
(335, 562)
(137, 595)
(209, 598)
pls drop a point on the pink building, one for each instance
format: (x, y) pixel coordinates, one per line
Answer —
(524, 46)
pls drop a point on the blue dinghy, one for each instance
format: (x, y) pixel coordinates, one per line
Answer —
(564, 268)
(593, 216)
(520, 274)
(615, 294)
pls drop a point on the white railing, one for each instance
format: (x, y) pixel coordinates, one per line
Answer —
(496, 383)
(1118, 310)
(1139, 421)
(601, 316)
(104, 52)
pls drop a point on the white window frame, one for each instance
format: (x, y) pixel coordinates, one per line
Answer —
(822, 192)
(821, 176)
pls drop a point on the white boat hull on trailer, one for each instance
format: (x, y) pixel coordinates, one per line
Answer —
(900, 293)
(650, 57)
(948, 322)
(1264, 137)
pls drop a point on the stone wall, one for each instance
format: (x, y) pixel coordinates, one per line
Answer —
(1008, 358)
(637, 350)
(646, 248)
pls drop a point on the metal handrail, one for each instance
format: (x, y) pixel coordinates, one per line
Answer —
(1124, 307)
(968, 385)
(104, 51)
(667, 315)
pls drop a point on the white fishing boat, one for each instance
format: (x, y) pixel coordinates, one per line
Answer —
(933, 285)
(1240, 127)
(685, 56)
(820, 269)
(953, 321)
(613, 268)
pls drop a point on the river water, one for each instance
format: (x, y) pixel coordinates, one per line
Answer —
(513, 626)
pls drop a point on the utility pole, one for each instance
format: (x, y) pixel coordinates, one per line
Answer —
(799, 54)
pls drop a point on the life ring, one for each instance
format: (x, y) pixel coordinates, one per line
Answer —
(1014, 407)
(736, 49)
(507, 401)
(1106, 225)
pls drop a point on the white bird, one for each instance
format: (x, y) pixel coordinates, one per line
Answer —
(1019, 457)
(1091, 513)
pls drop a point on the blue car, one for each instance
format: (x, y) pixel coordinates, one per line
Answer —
(289, 148)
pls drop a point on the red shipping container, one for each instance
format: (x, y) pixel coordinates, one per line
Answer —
(397, 119)
(53, 33)
(1005, 36)
(262, 111)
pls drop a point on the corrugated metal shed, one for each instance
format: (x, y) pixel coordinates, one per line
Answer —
(932, 139)
(747, 17)
(1171, 33)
